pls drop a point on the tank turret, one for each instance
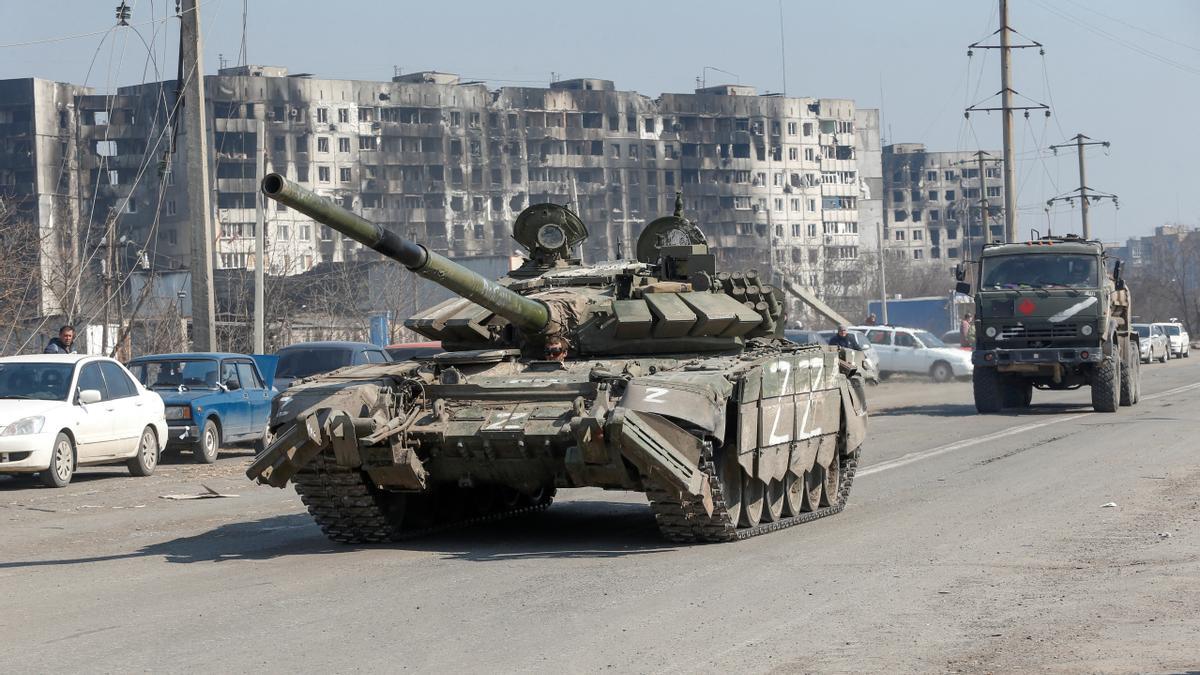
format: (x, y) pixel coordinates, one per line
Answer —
(669, 300)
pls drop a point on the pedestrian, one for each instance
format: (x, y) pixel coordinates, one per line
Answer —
(871, 320)
(841, 339)
(966, 330)
(64, 343)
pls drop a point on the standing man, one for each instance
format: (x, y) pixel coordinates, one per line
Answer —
(64, 343)
(966, 330)
(841, 339)
(871, 320)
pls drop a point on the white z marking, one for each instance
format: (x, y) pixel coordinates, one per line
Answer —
(655, 394)
(786, 367)
(772, 438)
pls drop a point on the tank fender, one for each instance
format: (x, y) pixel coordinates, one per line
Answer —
(699, 400)
(663, 452)
(854, 416)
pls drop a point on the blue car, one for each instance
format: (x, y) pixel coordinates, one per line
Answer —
(212, 399)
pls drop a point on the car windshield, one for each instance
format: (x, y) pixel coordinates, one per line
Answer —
(929, 339)
(1171, 330)
(42, 381)
(1142, 329)
(1040, 270)
(302, 362)
(175, 373)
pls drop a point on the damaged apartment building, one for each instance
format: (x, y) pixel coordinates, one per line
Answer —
(932, 203)
(791, 186)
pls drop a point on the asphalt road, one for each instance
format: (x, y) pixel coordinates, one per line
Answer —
(971, 543)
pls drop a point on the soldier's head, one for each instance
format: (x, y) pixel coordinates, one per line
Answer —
(556, 349)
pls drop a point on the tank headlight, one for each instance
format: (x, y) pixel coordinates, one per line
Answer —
(990, 332)
(1087, 329)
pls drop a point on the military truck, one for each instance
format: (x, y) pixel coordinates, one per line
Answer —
(659, 375)
(1049, 316)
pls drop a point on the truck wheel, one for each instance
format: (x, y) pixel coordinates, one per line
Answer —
(1130, 376)
(987, 386)
(1106, 384)
(1015, 392)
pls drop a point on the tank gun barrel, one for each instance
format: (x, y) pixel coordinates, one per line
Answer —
(524, 313)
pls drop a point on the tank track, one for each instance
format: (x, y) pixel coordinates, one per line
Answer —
(350, 510)
(686, 522)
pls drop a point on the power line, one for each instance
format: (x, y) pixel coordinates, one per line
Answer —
(1166, 60)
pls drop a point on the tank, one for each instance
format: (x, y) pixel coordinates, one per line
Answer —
(660, 375)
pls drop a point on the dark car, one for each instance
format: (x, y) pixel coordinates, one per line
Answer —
(403, 351)
(313, 358)
(212, 398)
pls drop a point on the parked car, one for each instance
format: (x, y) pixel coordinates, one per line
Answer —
(1153, 342)
(859, 342)
(313, 358)
(908, 350)
(953, 338)
(59, 412)
(212, 399)
(1177, 338)
(403, 351)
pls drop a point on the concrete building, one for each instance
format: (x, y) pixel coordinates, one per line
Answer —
(931, 202)
(787, 185)
(39, 171)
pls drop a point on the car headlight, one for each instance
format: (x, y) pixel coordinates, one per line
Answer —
(179, 412)
(23, 426)
(990, 331)
(1087, 329)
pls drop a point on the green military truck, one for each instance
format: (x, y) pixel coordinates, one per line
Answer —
(1050, 316)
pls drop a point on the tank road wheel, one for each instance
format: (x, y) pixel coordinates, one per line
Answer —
(1106, 384)
(793, 495)
(753, 501)
(1130, 375)
(773, 508)
(832, 482)
(731, 484)
(988, 389)
(814, 483)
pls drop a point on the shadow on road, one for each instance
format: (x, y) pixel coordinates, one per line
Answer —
(576, 529)
(968, 410)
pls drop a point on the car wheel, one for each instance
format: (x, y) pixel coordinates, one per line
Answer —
(941, 372)
(265, 440)
(209, 444)
(146, 459)
(62, 463)
(1164, 356)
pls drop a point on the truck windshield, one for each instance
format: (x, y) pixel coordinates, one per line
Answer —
(1040, 270)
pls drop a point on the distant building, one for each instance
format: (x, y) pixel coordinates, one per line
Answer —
(791, 186)
(1159, 250)
(931, 202)
(39, 181)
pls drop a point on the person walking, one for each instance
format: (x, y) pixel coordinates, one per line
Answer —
(966, 330)
(64, 343)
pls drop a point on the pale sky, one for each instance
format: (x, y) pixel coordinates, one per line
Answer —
(1126, 72)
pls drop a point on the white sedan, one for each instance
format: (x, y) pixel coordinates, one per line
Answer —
(62, 411)
(909, 350)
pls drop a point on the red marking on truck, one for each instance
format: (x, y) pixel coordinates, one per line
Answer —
(1026, 307)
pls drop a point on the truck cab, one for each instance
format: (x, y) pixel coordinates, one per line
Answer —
(1049, 316)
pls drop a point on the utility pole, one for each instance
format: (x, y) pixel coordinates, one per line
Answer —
(981, 158)
(1084, 195)
(260, 161)
(1010, 169)
(1006, 109)
(191, 57)
(882, 274)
